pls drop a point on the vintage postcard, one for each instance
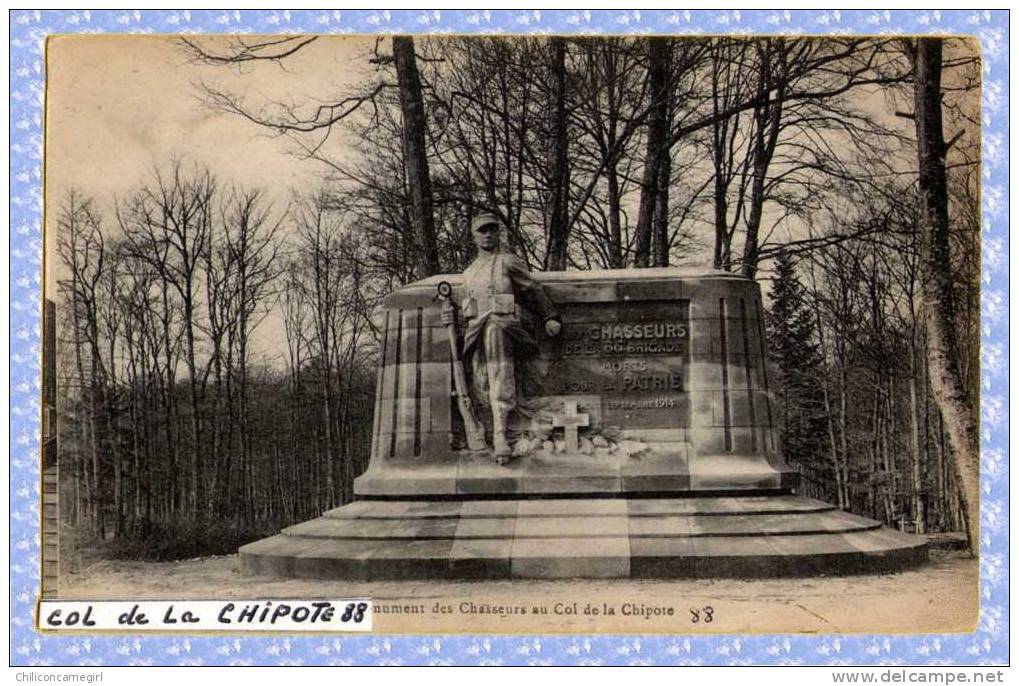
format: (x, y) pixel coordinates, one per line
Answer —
(538, 333)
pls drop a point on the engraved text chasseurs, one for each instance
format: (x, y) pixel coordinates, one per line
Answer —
(631, 338)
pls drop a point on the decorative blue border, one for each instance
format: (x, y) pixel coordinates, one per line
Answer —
(988, 645)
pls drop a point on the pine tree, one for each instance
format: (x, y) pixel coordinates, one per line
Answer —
(796, 355)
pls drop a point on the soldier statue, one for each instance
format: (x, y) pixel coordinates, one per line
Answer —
(500, 303)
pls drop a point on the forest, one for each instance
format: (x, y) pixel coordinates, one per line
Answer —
(842, 172)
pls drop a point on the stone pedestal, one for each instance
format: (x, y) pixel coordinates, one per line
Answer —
(648, 449)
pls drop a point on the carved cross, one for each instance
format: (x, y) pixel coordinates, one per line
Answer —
(571, 420)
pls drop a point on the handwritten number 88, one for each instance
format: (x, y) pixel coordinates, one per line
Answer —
(355, 612)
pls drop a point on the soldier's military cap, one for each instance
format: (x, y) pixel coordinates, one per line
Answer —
(484, 219)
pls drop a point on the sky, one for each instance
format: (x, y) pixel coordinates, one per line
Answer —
(116, 106)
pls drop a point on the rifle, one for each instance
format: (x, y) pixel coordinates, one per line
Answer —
(472, 427)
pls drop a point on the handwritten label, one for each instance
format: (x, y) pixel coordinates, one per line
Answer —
(345, 615)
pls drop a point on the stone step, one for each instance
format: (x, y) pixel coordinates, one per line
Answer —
(873, 550)
(590, 538)
(664, 472)
(587, 526)
(579, 507)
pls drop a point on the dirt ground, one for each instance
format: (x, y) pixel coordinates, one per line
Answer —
(940, 597)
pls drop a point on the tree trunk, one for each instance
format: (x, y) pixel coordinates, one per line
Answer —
(767, 125)
(94, 393)
(661, 219)
(169, 398)
(616, 260)
(723, 249)
(944, 353)
(914, 445)
(843, 451)
(113, 436)
(558, 182)
(720, 183)
(833, 450)
(944, 505)
(195, 498)
(891, 452)
(419, 185)
(886, 465)
(86, 403)
(220, 469)
(659, 50)
(242, 368)
(875, 450)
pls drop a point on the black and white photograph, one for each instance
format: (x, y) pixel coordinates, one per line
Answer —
(528, 334)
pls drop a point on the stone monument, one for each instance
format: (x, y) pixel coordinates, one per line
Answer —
(637, 440)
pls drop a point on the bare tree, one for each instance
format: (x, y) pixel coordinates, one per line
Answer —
(251, 246)
(82, 248)
(804, 138)
(944, 352)
(167, 224)
(609, 91)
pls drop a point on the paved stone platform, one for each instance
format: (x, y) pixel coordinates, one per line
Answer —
(666, 470)
(736, 536)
